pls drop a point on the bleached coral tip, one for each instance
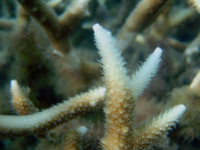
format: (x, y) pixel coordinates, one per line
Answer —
(181, 108)
(13, 83)
(95, 26)
(158, 50)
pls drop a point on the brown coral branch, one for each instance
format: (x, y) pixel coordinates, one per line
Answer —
(143, 15)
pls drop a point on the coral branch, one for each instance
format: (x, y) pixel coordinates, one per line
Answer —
(16, 126)
(49, 21)
(72, 16)
(118, 105)
(56, 28)
(148, 133)
(20, 101)
(142, 16)
(143, 76)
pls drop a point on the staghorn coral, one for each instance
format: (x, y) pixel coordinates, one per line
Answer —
(120, 95)
(28, 54)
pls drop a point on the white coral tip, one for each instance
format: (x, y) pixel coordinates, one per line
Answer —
(158, 51)
(13, 83)
(96, 26)
(14, 86)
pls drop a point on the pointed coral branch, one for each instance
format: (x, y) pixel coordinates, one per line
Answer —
(148, 133)
(143, 76)
(142, 16)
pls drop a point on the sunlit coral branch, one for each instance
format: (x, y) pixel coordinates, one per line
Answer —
(15, 126)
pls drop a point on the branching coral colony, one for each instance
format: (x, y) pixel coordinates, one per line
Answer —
(46, 45)
(120, 95)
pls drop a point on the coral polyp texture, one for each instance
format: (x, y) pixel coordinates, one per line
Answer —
(66, 82)
(122, 93)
